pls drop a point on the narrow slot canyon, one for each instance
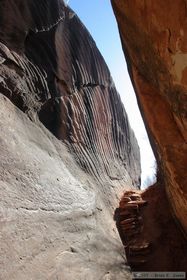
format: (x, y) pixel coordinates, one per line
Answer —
(152, 237)
(93, 159)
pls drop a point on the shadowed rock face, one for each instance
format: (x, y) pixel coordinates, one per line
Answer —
(72, 92)
(57, 218)
(154, 37)
(29, 15)
(153, 224)
(152, 239)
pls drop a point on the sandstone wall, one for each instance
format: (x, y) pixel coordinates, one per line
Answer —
(58, 74)
(154, 37)
(59, 194)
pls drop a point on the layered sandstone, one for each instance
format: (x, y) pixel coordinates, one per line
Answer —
(154, 36)
(152, 239)
(57, 73)
(58, 194)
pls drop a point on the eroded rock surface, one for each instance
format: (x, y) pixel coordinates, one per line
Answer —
(151, 238)
(154, 36)
(58, 196)
(56, 222)
(58, 74)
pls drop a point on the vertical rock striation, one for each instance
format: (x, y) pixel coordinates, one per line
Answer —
(70, 88)
(56, 219)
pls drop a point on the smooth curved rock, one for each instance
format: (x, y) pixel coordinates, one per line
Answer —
(60, 76)
(56, 218)
(56, 222)
(154, 40)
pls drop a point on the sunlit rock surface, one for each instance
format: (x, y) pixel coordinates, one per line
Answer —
(56, 222)
(58, 194)
(61, 76)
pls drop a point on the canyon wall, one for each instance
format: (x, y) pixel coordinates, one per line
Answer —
(67, 150)
(154, 37)
(70, 90)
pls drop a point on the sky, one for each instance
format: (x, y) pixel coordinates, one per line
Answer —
(98, 17)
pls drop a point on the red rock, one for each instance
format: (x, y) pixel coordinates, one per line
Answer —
(154, 40)
(135, 197)
(128, 221)
(158, 239)
(137, 202)
(140, 247)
